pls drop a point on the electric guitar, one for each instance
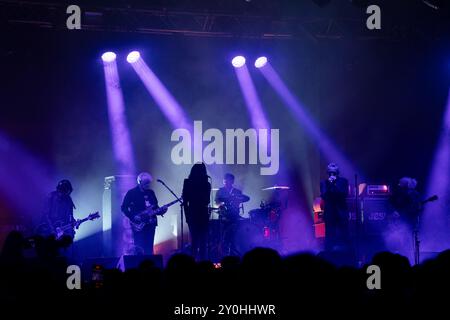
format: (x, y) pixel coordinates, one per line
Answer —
(59, 229)
(430, 199)
(148, 216)
(394, 218)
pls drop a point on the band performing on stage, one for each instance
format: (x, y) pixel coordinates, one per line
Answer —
(223, 229)
(224, 159)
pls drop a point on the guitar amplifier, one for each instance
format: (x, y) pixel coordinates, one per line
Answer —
(375, 215)
(380, 190)
(374, 211)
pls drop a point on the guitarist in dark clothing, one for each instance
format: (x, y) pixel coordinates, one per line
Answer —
(58, 210)
(407, 201)
(136, 201)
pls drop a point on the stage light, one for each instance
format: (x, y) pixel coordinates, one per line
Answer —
(109, 56)
(238, 61)
(260, 62)
(133, 56)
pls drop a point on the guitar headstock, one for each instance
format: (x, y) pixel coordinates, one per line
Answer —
(93, 216)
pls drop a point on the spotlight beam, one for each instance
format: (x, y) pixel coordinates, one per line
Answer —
(259, 120)
(434, 229)
(257, 116)
(122, 147)
(18, 165)
(325, 146)
(167, 103)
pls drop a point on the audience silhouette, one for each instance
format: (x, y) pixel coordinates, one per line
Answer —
(261, 276)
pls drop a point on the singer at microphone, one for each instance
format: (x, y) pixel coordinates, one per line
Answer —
(332, 178)
(334, 192)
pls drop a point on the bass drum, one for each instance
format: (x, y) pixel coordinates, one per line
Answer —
(246, 236)
(258, 217)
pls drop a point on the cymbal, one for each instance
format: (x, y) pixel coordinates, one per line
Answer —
(237, 198)
(241, 198)
(277, 188)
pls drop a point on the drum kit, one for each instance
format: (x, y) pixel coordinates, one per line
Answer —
(231, 235)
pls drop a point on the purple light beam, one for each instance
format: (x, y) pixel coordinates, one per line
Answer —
(122, 147)
(167, 103)
(257, 116)
(434, 229)
(330, 152)
(25, 179)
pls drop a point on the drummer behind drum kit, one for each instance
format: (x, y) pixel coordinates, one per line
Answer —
(229, 235)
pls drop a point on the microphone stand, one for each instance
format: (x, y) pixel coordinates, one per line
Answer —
(181, 213)
(209, 245)
(416, 242)
(416, 230)
(358, 222)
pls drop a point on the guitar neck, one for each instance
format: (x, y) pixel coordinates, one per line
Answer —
(168, 205)
(171, 203)
(72, 224)
(67, 226)
(430, 199)
(160, 209)
(82, 220)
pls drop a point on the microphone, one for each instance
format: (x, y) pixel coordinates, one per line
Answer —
(160, 181)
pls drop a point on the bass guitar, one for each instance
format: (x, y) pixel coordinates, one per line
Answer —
(59, 229)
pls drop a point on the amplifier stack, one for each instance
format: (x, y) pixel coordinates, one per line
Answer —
(374, 208)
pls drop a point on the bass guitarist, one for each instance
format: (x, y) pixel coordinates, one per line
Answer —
(136, 202)
(59, 210)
